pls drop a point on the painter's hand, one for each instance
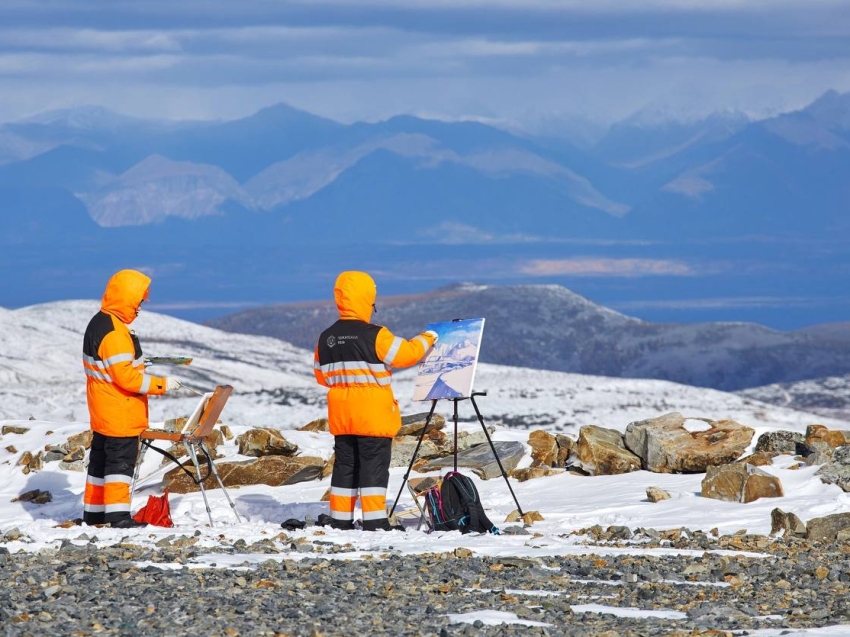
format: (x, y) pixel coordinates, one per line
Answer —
(172, 384)
(433, 335)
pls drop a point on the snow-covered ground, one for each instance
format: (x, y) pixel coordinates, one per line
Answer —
(41, 378)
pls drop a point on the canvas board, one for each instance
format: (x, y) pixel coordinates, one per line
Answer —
(448, 370)
(195, 417)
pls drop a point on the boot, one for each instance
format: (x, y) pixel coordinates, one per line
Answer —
(343, 525)
(382, 525)
(127, 523)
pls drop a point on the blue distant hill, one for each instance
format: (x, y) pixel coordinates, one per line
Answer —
(269, 206)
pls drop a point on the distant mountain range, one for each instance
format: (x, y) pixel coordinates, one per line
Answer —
(297, 174)
(241, 210)
(549, 327)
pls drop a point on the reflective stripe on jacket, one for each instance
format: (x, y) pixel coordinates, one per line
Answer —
(355, 358)
(117, 386)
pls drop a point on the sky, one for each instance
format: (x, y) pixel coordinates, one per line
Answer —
(536, 64)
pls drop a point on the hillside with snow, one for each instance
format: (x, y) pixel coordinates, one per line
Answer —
(828, 396)
(42, 402)
(552, 327)
(41, 376)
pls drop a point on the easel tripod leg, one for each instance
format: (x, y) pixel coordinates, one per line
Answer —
(413, 457)
(220, 483)
(496, 455)
(191, 450)
(140, 456)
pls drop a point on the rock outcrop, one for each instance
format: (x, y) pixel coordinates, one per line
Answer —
(601, 451)
(664, 445)
(273, 471)
(265, 441)
(740, 483)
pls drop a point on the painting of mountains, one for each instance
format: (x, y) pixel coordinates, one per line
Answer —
(448, 370)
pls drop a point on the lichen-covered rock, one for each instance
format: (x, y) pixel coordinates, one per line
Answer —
(775, 443)
(828, 527)
(655, 494)
(836, 470)
(82, 439)
(530, 473)
(320, 424)
(265, 441)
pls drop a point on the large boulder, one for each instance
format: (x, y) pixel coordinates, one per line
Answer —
(82, 439)
(480, 459)
(273, 471)
(435, 444)
(412, 425)
(544, 449)
(740, 483)
(265, 441)
(665, 445)
(820, 434)
(782, 442)
(830, 527)
(837, 469)
(565, 447)
(599, 451)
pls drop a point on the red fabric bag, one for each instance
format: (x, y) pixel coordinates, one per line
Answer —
(156, 512)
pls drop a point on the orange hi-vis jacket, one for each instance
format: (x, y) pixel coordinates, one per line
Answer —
(355, 359)
(117, 386)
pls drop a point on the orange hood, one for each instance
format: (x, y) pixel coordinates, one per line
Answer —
(354, 293)
(124, 293)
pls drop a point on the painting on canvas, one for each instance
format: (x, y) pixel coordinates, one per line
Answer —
(449, 369)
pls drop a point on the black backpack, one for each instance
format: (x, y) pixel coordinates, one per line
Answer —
(455, 505)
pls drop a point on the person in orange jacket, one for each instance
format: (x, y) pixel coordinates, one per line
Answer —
(117, 390)
(355, 359)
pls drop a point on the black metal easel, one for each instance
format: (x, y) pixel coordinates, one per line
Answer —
(486, 433)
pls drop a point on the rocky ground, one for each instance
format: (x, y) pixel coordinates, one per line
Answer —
(82, 589)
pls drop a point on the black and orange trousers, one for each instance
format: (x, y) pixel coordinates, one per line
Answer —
(112, 462)
(361, 468)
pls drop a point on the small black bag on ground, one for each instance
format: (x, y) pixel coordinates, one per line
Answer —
(455, 505)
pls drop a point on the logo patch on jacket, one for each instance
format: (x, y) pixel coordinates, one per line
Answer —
(331, 340)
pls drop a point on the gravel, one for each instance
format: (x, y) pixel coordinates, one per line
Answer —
(295, 587)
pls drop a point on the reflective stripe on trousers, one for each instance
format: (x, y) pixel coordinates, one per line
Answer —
(361, 467)
(110, 475)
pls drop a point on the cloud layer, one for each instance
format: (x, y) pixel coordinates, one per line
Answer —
(508, 60)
